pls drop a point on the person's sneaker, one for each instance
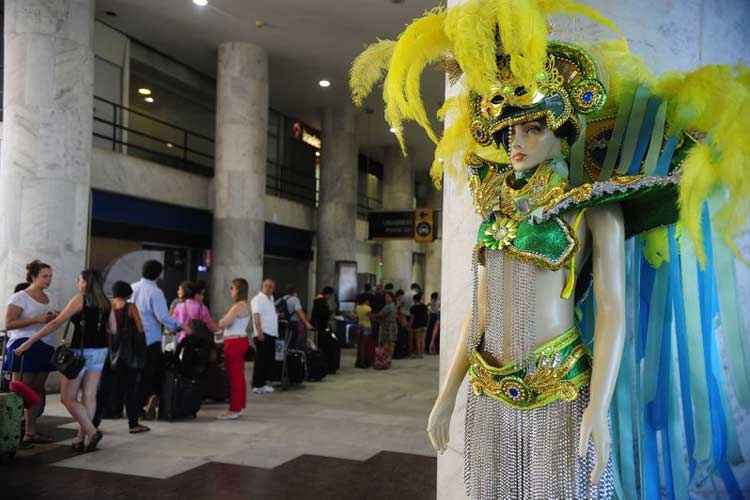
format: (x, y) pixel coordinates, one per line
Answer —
(267, 389)
(258, 390)
(230, 415)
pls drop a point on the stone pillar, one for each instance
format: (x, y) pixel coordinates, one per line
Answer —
(667, 39)
(433, 251)
(398, 194)
(337, 212)
(239, 183)
(47, 136)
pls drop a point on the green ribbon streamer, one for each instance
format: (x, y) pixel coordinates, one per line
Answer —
(738, 351)
(577, 154)
(634, 129)
(657, 137)
(615, 141)
(653, 336)
(696, 360)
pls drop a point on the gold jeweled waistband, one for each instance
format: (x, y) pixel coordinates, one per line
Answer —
(563, 366)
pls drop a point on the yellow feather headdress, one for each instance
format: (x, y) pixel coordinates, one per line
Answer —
(712, 103)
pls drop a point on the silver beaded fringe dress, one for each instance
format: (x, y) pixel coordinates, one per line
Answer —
(523, 454)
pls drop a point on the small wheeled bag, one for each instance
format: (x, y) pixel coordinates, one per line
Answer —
(11, 413)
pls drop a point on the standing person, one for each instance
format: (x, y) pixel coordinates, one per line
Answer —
(235, 323)
(377, 303)
(418, 326)
(388, 324)
(405, 335)
(364, 315)
(321, 317)
(266, 327)
(130, 377)
(180, 296)
(367, 293)
(88, 311)
(297, 318)
(191, 309)
(28, 309)
(434, 308)
(152, 306)
(333, 303)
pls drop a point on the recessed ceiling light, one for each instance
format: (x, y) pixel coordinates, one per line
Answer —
(200, 3)
(317, 153)
(324, 83)
(144, 91)
(170, 145)
(393, 130)
(149, 99)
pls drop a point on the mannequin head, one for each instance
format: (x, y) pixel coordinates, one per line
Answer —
(531, 143)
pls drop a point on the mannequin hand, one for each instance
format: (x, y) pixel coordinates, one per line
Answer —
(438, 424)
(594, 425)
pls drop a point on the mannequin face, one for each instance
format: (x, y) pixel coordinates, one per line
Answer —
(532, 143)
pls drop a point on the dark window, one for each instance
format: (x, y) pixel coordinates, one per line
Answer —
(369, 185)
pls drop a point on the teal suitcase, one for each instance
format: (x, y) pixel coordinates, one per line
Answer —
(11, 413)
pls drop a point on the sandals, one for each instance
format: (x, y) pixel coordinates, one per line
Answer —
(94, 442)
(38, 439)
(138, 429)
(149, 412)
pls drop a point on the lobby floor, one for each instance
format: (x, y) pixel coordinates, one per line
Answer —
(357, 434)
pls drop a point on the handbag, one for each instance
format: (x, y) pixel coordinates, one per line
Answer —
(127, 346)
(67, 361)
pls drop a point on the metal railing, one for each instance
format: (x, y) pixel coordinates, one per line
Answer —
(152, 139)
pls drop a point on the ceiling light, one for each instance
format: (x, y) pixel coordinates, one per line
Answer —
(200, 3)
(317, 153)
(149, 99)
(144, 91)
(170, 145)
(324, 83)
(393, 130)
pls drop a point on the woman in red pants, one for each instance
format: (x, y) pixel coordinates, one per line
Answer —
(235, 323)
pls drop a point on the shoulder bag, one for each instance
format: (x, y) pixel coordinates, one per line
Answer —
(66, 360)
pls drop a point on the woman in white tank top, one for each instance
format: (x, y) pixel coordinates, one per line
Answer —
(234, 323)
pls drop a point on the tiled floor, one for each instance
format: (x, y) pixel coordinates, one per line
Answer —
(357, 434)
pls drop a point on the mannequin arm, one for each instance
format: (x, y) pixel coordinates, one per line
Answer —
(438, 424)
(608, 234)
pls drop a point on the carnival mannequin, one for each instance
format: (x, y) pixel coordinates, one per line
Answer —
(570, 152)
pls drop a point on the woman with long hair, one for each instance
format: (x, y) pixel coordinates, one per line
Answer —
(88, 311)
(235, 323)
(28, 309)
(193, 308)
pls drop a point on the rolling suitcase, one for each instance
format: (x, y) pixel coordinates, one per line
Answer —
(365, 351)
(317, 366)
(180, 398)
(215, 380)
(11, 414)
(382, 359)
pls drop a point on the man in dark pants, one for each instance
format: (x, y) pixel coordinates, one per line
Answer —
(152, 305)
(266, 326)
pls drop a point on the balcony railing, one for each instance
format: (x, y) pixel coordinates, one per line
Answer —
(138, 134)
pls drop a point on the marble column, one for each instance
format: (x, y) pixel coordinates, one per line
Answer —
(398, 194)
(667, 39)
(239, 184)
(433, 251)
(47, 135)
(337, 211)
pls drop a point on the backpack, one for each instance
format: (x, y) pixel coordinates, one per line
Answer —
(282, 309)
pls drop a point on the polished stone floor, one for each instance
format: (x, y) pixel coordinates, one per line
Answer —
(357, 434)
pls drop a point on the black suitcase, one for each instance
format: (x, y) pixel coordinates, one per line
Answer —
(317, 366)
(296, 368)
(180, 398)
(330, 346)
(402, 344)
(216, 383)
(109, 396)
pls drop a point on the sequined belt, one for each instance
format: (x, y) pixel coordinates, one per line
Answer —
(563, 366)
